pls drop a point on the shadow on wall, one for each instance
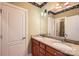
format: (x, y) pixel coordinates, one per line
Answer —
(29, 46)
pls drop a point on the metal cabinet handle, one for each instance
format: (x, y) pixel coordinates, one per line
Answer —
(55, 53)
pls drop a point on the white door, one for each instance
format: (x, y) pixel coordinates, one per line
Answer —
(13, 26)
(0, 33)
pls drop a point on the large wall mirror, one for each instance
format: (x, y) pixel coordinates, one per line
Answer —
(65, 24)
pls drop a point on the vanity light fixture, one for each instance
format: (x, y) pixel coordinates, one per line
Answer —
(66, 4)
(44, 13)
(57, 4)
(58, 7)
(61, 6)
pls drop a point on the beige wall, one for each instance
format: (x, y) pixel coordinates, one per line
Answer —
(44, 25)
(33, 19)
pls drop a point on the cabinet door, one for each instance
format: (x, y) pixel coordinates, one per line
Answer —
(50, 50)
(35, 47)
(42, 51)
(42, 45)
(35, 51)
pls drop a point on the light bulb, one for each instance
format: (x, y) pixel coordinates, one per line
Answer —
(58, 7)
(45, 14)
(57, 4)
(41, 13)
(67, 3)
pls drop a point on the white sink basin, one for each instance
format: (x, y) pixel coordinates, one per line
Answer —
(38, 37)
(52, 40)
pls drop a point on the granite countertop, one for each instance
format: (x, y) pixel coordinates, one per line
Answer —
(65, 47)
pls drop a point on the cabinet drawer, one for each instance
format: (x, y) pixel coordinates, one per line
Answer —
(42, 51)
(57, 53)
(42, 45)
(41, 54)
(49, 54)
(54, 52)
(50, 50)
(35, 41)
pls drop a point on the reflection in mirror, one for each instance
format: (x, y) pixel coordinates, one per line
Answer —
(61, 33)
(60, 27)
(56, 27)
(63, 25)
(51, 26)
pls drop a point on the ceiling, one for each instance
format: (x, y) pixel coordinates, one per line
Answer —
(56, 7)
(59, 6)
(38, 4)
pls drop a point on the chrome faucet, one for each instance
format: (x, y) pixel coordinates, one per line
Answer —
(65, 37)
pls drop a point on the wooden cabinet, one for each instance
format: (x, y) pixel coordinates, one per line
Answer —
(36, 51)
(42, 45)
(35, 48)
(49, 54)
(53, 51)
(41, 49)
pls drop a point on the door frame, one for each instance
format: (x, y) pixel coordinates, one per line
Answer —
(59, 18)
(26, 22)
(0, 33)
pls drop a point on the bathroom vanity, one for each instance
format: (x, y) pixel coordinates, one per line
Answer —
(40, 47)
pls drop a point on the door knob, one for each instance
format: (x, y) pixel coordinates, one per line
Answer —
(23, 38)
(0, 36)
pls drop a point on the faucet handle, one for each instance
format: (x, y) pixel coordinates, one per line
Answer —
(65, 35)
